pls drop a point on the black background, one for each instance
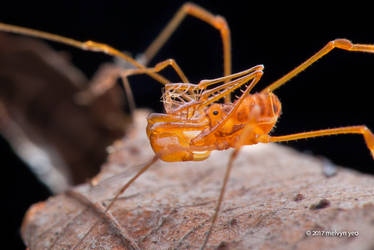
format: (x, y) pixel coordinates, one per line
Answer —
(336, 91)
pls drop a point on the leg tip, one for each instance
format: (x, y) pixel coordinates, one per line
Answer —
(372, 153)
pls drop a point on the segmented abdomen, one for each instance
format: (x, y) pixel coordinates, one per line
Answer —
(262, 109)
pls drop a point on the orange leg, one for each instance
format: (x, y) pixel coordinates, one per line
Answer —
(196, 11)
(104, 79)
(108, 74)
(120, 191)
(363, 130)
(246, 131)
(220, 198)
(338, 43)
(187, 9)
(124, 187)
(88, 45)
(368, 136)
(171, 62)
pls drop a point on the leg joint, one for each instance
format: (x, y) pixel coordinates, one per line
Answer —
(342, 44)
(221, 23)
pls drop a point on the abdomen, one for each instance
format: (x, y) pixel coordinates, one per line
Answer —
(261, 109)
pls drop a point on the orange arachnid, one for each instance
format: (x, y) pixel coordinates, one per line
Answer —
(196, 122)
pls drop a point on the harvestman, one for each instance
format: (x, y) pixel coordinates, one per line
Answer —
(194, 123)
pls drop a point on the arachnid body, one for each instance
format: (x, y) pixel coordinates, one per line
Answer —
(185, 132)
(203, 117)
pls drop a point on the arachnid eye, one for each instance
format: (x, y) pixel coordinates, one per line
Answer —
(215, 112)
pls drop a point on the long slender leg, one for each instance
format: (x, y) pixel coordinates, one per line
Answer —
(88, 45)
(246, 131)
(196, 11)
(107, 76)
(338, 43)
(171, 62)
(363, 130)
(129, 95)
(368, 136)
(187, 9)
(123, 189)
(220, 198)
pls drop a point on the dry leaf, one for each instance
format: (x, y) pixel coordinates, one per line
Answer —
(63, 142)
(275, 195)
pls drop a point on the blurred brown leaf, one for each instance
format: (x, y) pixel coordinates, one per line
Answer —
(63, 142)
(273, 198)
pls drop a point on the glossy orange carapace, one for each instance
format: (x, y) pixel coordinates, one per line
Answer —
(194, 124)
